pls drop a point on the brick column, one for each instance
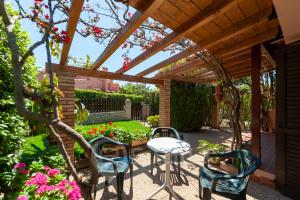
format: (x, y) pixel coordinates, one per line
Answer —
(256, 100)
(66, 83)
(164, 103)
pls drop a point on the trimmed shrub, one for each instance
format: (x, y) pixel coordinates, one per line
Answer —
(93, 94)
(153, 121)
(191, 105)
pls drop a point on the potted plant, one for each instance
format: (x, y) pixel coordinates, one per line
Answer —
(206, 147)
(218, 90)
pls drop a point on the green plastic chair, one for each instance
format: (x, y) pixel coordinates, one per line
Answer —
(108, 167)
(224, 184)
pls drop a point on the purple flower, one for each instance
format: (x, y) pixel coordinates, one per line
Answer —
(19, 165)
(53, 172)
(62, 185)
(22, 197)
(47, 168)
(37, 179)
(74, 194)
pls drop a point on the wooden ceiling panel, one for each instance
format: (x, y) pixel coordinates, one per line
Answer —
(223, 22)
(235, 15)
(212, 28)
(186, 6)
(173, 12)
(248, 7)
(259, 28)
(202, 3)
(262, 4)
(249, 33)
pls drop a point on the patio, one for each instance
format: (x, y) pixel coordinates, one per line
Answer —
(187, 187)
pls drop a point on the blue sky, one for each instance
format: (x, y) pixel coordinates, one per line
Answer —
(88, 46)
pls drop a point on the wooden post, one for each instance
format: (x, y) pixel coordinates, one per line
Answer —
(215, 115)
(164, 103)
(256, 100)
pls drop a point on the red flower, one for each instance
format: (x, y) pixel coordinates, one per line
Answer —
(129, 14)
(46, 6)
(102, 131)
(111, 135)
(64, 32)
(47, 16)
(110, 123)
(55, 29)
(35, 12)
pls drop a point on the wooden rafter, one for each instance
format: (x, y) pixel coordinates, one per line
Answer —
(137, 19)
(267, 55)
(234, 30)
(180, 68)
(74, 16)
(101, 74)
(206, 15)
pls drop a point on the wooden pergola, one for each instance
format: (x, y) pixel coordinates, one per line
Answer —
(233, 30)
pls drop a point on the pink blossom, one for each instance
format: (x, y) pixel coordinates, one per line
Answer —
(47, 168)
(62, 185)
(42, 189)
(22, 197)
(37, 179)
(74, 194)
(19, 165)
(53, 172)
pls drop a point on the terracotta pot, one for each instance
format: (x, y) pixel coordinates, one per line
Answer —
(218, 93)
(230, 169)
(137, 143)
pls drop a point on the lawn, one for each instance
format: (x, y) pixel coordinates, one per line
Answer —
(131, 126)
(37, 145)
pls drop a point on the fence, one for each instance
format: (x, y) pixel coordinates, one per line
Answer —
(103, 105)
(136, 111)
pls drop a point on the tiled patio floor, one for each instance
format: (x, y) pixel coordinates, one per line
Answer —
(186, 188)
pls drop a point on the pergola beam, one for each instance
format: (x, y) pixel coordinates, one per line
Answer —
(102, 74)
(232, 31)
(180, 68)
(137, 19)
(74, 16)
(204, 16)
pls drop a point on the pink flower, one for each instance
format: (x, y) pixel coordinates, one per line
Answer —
(53, 172)
(47, 168)
(19, 165)
(62, 185)
(37, 179)
(22, 197)
(42, 189)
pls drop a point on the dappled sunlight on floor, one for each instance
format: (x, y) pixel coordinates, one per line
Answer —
(186, 188)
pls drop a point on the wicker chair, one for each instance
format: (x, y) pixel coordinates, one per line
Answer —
(166, 132)
(224, 184)
(116, 166)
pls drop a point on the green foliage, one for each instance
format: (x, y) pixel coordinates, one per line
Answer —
(13, 128)
(139, 89)
(191, 106)
(81, 112)
(204, 147)
(153, 121)
(91, 94)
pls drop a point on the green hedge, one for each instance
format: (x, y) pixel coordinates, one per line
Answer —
(90, 94)
(191, 105)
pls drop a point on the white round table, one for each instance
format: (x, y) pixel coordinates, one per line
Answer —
(167, 146)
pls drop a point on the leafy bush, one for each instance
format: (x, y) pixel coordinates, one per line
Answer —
(13, 127)
(191, 105)
(91, 94)
(153, 121)
(206, 147)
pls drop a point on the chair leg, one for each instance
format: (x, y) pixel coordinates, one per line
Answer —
(200, 189)
(106, 180)
(152, 157)
(131, 173)
(206, 194)
(179, 170)
(95, 190)
(120, 182)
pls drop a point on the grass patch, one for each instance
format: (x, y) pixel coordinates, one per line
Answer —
(130, 126)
